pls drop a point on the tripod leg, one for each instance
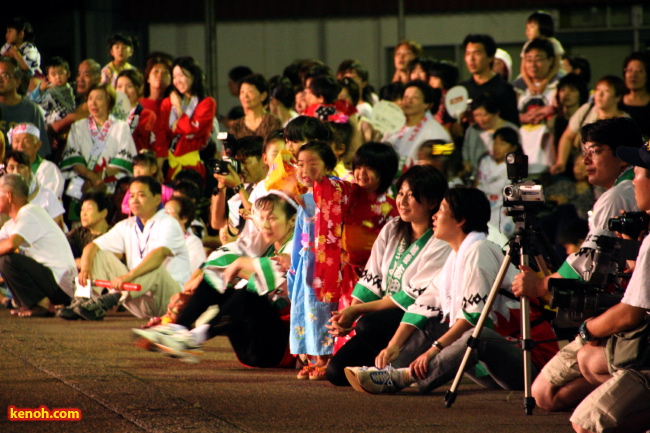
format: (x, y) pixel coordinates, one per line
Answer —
(472, 343)
(527, 347)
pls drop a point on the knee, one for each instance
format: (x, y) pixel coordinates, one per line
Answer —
(335, 373)
(543, 393)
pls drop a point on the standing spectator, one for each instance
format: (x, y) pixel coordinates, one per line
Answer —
(45, 270)
(254, 97)
(20, 46)
(140, 120)
(186, 118)
(606, 104)
(405, 51)
(121, 48)
(637, 100)
(417, 104)
(14, 107)
(479, 56)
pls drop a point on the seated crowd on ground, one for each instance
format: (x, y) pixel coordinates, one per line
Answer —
(313, 235)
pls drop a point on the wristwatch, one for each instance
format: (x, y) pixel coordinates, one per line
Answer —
(584, 333)
(237, 188)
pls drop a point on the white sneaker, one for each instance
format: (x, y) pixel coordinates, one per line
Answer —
(351, 375)
(154, 333)
(180, 345)
(379, 380)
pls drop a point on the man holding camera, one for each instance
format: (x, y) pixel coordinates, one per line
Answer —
(561, 384)
(243, 177)
(622, 400)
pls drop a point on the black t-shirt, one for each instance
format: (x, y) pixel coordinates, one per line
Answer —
(502, 90)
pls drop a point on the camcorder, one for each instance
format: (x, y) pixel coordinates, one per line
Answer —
(630, 223)
(527, 195)
(602, 288)
(220, 166)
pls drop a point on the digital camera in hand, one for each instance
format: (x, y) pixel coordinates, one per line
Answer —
(577, 300)
(630, 224)
(220, 166)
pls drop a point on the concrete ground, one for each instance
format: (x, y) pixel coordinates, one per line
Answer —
(94, 367)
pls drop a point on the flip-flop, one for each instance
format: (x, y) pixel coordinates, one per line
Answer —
(37, 311)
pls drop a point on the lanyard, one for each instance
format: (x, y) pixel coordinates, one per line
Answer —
(270, 251)
(402, 259)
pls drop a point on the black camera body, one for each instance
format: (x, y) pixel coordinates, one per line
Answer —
(630, 223)
(220, 166)
(577, 300)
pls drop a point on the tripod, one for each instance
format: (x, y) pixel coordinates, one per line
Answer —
(524, 244)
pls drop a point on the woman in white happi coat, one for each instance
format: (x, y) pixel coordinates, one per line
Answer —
(404, 258)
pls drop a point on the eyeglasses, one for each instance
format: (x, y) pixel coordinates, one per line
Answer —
(594, 151)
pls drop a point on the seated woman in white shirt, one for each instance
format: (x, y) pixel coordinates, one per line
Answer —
(183, 210)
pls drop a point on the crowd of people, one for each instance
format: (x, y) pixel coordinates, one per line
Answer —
(356, 234)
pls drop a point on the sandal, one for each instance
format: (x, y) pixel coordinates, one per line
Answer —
(305, 373)
(318, 373)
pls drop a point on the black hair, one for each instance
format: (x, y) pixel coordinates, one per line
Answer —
(57, 61)
(382, 158)
(362, 73)
(544, 22)
(188, 188)
(259, 82)
(283, 91)
(99, 197)
(239, 72)
(187, 208)
(446, 71)
(575, 81)
(573, 232)
(250, 145)
(425, 63)
(18, 156)
(271, 200)
(130, 41)
(643, 58)
(18, 73)
(145, 157)
(487, 101)
(305, 128)
(236, 112)
(324, 152)
(325, 86)
(111, 96)
(471, 205)
(198, 79)
(615, 82)
(154, 186)
(392, 92)
(134, 76)
(614, 132)
(431, 95)
(22, 25)
(510, 136)
(317, 69)
(353, 89)
(191, 175)
(341, 133)
(157, 58)
(486, 40)
(582, 63)
(543, 45)
(276, 134)
(291, 73)
(428, 186)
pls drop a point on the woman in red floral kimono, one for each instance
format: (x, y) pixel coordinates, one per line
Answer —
(350, 217)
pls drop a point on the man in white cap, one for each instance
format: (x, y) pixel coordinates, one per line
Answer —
(24, 137)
